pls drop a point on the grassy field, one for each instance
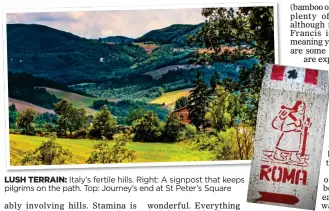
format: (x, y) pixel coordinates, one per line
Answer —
(147, 47)
(157, 74)
(22, 106)
(78, 101)
(81, 149)
(169, 98)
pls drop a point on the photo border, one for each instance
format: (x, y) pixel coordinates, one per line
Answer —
(109, 8)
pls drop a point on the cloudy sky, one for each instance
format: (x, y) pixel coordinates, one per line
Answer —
(130, 23)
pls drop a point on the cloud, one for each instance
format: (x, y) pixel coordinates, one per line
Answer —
(95, 24)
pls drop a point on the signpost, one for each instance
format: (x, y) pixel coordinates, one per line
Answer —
(289, 137)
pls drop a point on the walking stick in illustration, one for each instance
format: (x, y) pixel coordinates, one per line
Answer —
(304, 134)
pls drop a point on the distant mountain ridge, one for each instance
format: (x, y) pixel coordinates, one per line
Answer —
(118, 39)
(112, 67)
(174, 34)
(61, 56)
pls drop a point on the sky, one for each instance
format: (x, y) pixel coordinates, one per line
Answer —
(95, 24)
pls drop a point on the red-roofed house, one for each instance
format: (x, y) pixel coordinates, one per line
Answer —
(182, 114)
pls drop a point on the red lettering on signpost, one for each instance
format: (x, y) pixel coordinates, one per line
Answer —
(301, 175)
(264, 171)
(289, 176)
(282, 174)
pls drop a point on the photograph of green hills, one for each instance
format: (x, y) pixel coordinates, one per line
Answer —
(135, 86)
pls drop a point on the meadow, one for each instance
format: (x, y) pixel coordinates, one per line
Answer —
(77, 100)
(81, 149)
(170, 98)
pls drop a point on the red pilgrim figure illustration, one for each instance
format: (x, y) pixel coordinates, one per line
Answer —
(290, 147)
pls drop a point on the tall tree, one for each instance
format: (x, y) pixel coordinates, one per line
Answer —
(249, 31)
(218, 114)
(148, 128)
(134, 115)
(198, 102)
(25, 120)
(13, 114)
(104, 124)
(79, 119)
(70, 119)
(181, 102)
(172, 128)
(232, 34)
(214, 81)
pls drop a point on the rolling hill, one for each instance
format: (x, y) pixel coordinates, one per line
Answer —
(157, 74)
(157, 62)
(70, 59)
(169, 98)
(78, 101)
(22, 106)
(61, 56)
(176, 34)
(118, 39)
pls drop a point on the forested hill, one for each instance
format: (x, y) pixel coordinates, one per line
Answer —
(175, 34)
(34, 38)
(47, 52)
(118, 39)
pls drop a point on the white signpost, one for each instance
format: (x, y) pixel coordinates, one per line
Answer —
(289, 137)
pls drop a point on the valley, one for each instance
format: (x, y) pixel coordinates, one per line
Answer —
(168, 93)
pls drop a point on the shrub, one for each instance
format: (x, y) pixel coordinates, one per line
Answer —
(105, 153)
(148, 128)
(226, 149)
(104, 125)
(25, 121)
(48, 153)
(82, 133)
(187, 133)
(204, 141)
(172, 128)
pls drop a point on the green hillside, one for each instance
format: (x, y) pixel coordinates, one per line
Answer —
(94, 68)
(78, 101)
(28, 88)
(64, 57)
(170, 98)
(118, 39)
(174, 34)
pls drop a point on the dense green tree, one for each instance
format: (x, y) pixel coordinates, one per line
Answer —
(148, 128)
(46, 118)
(105, 153)
(249, 29)
(79, 119)
(134, 115)
(181, 102)
(104, 124)
(25, 121)
(13, 114)
(226, 145)
(172, 128)
(62, 107)
(70, 119)
(198, 102)
(48, 153)
(214, 81)
(218, 114)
